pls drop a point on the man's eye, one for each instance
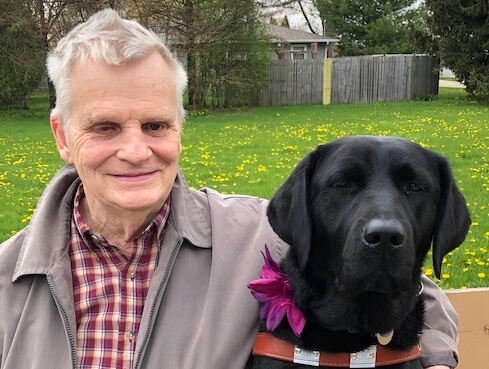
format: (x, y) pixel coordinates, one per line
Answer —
(104, 128)
(155, 127)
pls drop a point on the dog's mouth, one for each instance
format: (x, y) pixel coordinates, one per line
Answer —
(379, 282)
(382, 309)
(387, 286)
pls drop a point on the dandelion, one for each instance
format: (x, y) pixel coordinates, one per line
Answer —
(481, 275)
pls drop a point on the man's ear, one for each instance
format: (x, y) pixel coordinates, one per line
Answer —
(59, 134)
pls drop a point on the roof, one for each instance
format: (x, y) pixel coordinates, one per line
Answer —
(289, 35)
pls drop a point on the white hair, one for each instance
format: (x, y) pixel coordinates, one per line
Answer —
(106, 37)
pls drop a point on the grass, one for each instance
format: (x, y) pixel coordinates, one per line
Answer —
(252, 151)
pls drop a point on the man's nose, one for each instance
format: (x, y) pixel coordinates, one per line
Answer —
(134, 147)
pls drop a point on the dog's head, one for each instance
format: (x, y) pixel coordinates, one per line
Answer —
(365, 210)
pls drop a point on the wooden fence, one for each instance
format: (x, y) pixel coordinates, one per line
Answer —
(383, 78)
(350, 80)
(292, 82)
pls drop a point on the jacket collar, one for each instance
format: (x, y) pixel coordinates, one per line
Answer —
(190, 213)
(48, 233)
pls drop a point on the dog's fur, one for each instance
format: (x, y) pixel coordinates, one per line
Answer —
(360, 215)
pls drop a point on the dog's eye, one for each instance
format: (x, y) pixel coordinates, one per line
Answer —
(343, 184)
(414, 187)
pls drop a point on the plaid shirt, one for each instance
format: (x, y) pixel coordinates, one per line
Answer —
(109, 290)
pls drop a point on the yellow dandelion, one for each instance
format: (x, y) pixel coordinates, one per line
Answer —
(481, 275)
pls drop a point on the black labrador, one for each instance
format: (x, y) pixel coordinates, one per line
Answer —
(360, 214)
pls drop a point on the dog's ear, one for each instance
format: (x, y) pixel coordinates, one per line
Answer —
(289, 209)
(453, 220)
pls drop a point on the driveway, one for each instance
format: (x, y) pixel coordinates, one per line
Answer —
(447, 83)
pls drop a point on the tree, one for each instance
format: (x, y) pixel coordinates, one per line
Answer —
(370, 27)
(226, 48)
(461, 34)
(21, 56)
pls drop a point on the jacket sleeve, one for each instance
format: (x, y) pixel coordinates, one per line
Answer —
(439, 338)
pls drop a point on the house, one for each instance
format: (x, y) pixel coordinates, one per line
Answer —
(287, 44)
(295, 44)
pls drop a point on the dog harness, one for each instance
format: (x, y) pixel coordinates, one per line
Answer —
(376, 355)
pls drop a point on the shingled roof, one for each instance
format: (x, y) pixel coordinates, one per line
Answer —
(294, 36)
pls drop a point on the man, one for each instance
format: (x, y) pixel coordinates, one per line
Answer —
(123, 265)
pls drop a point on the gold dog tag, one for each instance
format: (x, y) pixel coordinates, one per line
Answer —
(384, 339)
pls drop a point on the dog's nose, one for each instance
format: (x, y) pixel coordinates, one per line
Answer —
(383, 232)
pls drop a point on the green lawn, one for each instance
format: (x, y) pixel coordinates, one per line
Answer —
(252, 151)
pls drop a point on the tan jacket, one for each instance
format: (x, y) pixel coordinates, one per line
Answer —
(199, 312)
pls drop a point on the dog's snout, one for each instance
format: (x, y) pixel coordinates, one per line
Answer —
(386, 233)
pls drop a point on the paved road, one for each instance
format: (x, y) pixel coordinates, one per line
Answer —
(454, 84)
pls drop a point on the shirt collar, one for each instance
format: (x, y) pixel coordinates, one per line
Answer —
(91, 238)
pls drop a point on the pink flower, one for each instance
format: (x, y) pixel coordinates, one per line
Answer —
(275, 292)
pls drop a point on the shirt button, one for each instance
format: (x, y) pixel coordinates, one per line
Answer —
(130, 336)
(132, 273)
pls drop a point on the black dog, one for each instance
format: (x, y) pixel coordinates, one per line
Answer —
(360, 215)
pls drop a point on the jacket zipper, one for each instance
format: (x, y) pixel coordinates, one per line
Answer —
(153, 305)
(64, 316)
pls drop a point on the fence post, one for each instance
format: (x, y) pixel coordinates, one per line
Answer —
(328, 68)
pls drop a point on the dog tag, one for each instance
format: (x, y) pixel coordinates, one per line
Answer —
(384, 339)
(364, 359)
(306, 357)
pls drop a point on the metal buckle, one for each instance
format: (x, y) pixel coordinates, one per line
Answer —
(306, 357)
(365, 358)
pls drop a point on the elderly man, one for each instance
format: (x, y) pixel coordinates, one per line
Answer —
(123, 265)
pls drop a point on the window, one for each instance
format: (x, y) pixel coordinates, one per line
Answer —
(298, 52)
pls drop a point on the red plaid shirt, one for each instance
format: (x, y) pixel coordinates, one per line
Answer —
(109, 290)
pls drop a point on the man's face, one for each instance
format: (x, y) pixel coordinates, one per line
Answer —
(123, 135)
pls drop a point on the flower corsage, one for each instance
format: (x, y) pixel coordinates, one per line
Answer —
(274, 291)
